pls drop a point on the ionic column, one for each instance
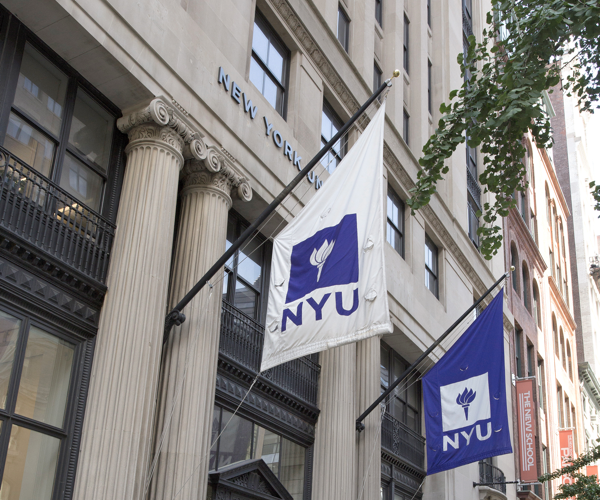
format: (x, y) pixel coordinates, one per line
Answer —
(117, 428)
(368, 442)
(189, 371)
(334, 469)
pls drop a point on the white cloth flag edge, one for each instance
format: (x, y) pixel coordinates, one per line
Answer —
(273, 358)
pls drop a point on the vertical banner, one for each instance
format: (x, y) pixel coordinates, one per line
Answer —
(567, 451)
(526, 423)
(592, 470)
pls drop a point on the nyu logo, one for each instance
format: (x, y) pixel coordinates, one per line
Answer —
(463, 405)
(328, 258)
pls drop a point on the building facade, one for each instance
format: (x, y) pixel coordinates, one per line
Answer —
(139, 140)
(575, 172)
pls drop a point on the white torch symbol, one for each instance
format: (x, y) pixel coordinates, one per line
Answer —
(319, 256)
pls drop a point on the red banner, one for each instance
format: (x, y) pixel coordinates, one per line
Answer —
(592, 470)
(567, 451)
(527, 424)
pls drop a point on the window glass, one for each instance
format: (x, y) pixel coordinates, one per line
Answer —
(379, 12)
(41, 90)
(245, 299)
(343, 28)
(291, 468)
(45, 378)
(29, 144)
(214, 434)
(385, 367)
(406, 41)
(235, 443)
(260, 43)
(30, 469)
(395, 221)
(81, 181)
(9, 333)
(250, 260)
(431, 266)
(377, 74)
(91, 130)
(330, 125)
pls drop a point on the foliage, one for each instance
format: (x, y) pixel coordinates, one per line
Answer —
(501, 99)
(583, 487)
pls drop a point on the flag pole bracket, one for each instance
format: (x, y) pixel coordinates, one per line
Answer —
(492, 484)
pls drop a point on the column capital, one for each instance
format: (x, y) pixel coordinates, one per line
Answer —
(217, 172)
(159, 120)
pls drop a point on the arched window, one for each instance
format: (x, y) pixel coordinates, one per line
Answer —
(537, 312)
(514, 262)
(555, 336)
(562, 349)
(548, 208)
(569, 360)
(525, 283)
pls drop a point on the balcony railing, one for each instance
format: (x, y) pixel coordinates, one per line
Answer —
(242, 341)
(38, 211)
(401, 441)
(490, 474)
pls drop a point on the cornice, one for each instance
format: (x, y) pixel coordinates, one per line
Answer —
(586, 373)
(526, 240)
(559, 299)
(554, 181)
(313, 51)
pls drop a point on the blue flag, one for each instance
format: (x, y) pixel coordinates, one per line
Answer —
(464, 394)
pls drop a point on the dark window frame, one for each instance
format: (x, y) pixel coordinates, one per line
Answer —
(343, 141)
(429, 87)
(397, 202)
(274, 39)
(377, 76)
(67, 433)
(518, 355)
(233, 276)
(406, 127)
(15, 38)
(405, 45)
(343, 21)
(379, 12)
(432, 273)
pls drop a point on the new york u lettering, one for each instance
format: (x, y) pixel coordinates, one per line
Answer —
(316, 307)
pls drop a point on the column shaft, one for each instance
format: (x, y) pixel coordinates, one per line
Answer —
(368, 442)
(334, 476)
(116, 434)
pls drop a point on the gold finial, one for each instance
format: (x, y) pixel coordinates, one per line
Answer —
(512, 268)
(396, 73)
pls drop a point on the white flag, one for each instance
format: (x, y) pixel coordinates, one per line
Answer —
(328, 272)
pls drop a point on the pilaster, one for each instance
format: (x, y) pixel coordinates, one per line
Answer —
(189, 370)
(116, 435)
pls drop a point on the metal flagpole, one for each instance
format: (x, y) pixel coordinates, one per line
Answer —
(359, 425)
(176, 317)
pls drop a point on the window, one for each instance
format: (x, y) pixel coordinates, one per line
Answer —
(379, 12)
(541, 383)
(395, 221)
(518, 345)
(526, 301)
(559, 406)
(562, 349)
(36, 398)
(530, 363)
(468, 9)
(545, 471)
(431, 266)
(429, 13)
(555, 335)
(569, 361)
(66, 136)
(405, 127)
(405, 404)
(343, 28)
(242, 439)
(514, 262)
(523, 207)
(429, 104)
(406, 35)
(330, 125)
(269, 64)
(537, 312)
(245, 271)
(377, 74)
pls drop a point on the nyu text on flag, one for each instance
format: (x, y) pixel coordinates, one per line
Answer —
(465, 397)
(327, 283)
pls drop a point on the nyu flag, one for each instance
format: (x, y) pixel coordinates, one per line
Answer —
(465, 397)
(328, 274)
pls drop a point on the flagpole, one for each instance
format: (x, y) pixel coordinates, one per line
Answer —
(359, 425)
(176, 317)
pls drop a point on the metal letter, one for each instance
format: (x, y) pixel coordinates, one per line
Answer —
(297, 160)
(287, 150)
(235, 92)
(268, 125)
(278, 142)
(224, 79)
(248, 107)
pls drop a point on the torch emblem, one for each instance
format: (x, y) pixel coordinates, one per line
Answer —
(319, 256)
(465, 399)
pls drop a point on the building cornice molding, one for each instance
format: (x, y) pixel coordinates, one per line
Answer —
(587, 375)
(316, 55)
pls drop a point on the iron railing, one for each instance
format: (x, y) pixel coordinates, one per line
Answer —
(491, 474)
(242, 341)
(38, 211)
(401, 441)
